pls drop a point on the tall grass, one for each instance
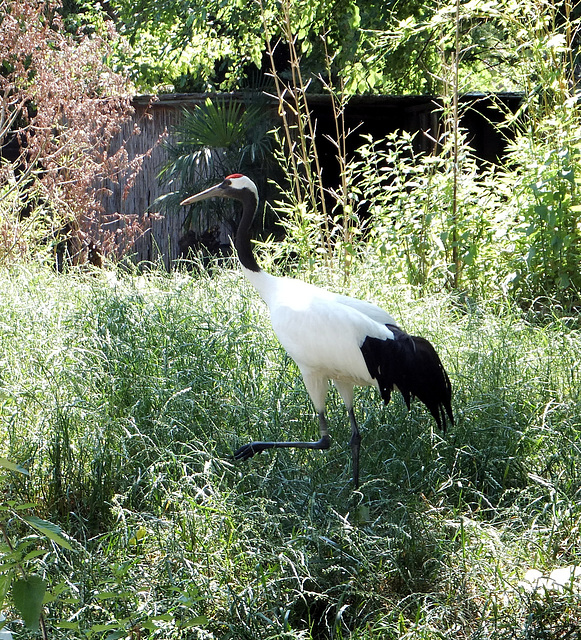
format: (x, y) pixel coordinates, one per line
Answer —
(124, 396)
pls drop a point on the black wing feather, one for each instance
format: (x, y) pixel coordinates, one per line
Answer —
(411, 364)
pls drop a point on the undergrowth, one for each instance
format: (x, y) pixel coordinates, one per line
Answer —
(124, 395)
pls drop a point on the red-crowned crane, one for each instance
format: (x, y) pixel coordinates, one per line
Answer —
(335, 337)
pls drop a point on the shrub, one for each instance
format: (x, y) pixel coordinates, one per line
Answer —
(62, 108)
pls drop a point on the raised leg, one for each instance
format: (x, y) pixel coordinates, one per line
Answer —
(248, 450)
(355, 443)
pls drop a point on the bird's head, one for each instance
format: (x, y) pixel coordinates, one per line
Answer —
(234, 186)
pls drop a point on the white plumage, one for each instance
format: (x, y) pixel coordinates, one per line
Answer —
(335, 337)
(321, 331)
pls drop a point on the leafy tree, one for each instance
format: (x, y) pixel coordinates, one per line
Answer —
(375, 46)
(206, 45)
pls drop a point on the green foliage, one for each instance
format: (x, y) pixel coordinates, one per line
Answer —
(378, 47)
(27, 590)
(545, 164)
(28, 594)
(549, 240)
(155, 380)
(51, 531)
(512, 231)
(27, 222)
(412, 225)
(12, 466)
(445, 220)
(190, 45)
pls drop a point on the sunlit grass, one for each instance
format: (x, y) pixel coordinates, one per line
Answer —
(125, 395)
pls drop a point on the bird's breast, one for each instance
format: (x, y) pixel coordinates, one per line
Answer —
(326, 338)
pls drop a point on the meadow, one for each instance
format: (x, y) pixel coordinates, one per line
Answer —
(124, 394)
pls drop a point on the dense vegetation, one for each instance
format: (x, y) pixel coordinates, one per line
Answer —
(375, 46)
(124, 396)
(123, 391)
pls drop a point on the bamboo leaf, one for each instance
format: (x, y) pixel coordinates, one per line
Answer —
(12, 466)
(199, 621)
(28, 595)
(49, 529)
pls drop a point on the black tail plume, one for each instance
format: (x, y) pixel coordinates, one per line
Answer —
(410, 364)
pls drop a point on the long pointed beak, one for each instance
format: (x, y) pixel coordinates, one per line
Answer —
(212, 192)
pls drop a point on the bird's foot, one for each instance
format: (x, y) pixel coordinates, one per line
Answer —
(247, 451)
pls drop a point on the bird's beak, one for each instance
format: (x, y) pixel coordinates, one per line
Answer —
(212, 192)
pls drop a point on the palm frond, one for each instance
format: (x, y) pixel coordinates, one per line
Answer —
(212, 140)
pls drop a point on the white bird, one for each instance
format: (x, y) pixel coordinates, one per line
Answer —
(335, 337)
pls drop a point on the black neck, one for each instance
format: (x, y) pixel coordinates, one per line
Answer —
(242, 242)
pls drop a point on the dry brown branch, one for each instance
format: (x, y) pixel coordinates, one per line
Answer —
(63, 108)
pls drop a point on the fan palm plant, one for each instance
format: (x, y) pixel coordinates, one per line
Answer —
(211, 141)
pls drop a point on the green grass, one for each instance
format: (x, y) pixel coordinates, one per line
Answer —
(125, 395)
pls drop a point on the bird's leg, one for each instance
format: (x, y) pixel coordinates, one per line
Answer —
(248, 450)
(355, 443)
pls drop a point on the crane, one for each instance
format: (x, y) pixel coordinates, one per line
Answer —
(333, 337)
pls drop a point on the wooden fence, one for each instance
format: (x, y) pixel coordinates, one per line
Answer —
(375, 115)
(137, 195)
